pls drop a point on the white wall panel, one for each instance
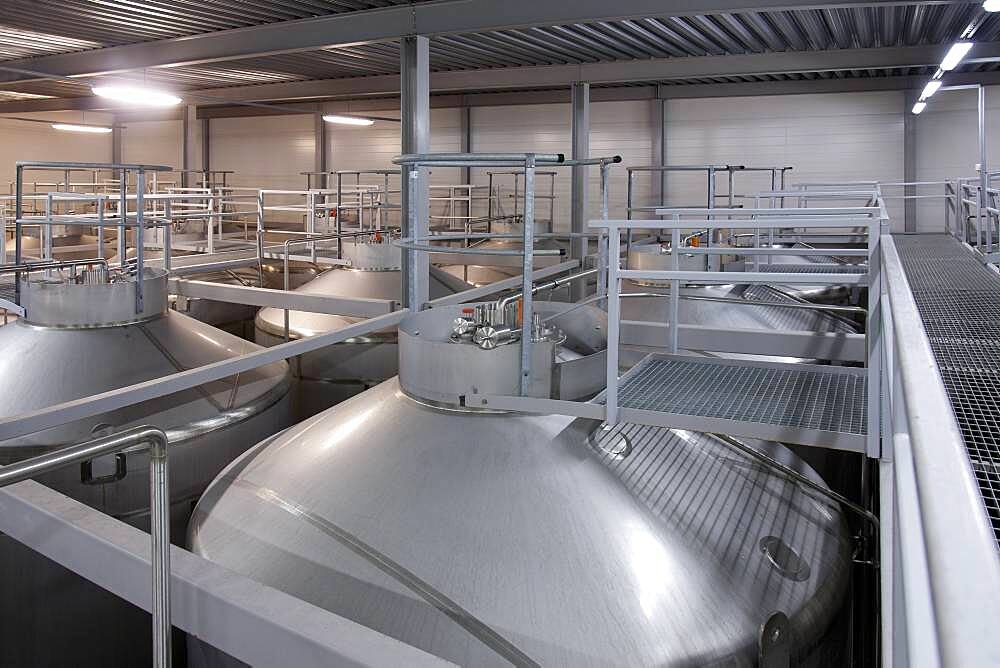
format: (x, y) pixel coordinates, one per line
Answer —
(38, 141)
(264, 151)
(831, 137)
(948, 147)
(374, 147)
(542, 128)
(154, 143)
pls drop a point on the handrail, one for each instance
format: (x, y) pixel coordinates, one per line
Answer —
(950, 567)
(159, 492)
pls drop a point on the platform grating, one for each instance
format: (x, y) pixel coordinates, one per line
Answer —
(786, 395)
(815, 268)
(959, 302)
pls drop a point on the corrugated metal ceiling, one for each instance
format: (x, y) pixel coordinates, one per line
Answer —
(72, 25)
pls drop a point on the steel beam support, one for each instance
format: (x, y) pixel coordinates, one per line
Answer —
(909, 161)
(358, 307)
(354, 94)
(415, 119)
(580, 128)
(653, 69)
(251, 622)
(380, 25)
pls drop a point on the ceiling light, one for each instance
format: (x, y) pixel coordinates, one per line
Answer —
(930, 89)
(70, 127)
(919, 106)
(347, 120)
(992, 5)
(955, 55)
(137, 95)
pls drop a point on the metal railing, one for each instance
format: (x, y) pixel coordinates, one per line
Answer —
(421, 241)
(871, 219)
(159, 500)
(940, 570)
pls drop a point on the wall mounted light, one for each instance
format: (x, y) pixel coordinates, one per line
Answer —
(347, 120)
(72, 127)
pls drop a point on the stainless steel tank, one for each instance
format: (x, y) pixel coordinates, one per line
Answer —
(493, 539)
(499, 267)
(336, 372)
(738, 307)
(77, 340)
(235, 318)
(656, 257)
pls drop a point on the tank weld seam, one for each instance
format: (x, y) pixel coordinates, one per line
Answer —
(474, 626)
(200, 389)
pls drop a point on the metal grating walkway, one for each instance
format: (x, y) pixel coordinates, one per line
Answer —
(793, 403)
(815, 268)
(959, 303)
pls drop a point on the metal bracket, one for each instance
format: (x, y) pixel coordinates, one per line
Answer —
(87, 471)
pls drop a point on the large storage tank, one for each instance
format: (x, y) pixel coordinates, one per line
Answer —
(80, 339)
(657, 257)
(336, 372)
(494, 539)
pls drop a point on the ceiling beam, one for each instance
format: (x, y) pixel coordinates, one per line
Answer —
(384, 24)
(755, 88)
(555, 76)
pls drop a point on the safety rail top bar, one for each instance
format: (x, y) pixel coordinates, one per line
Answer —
(684, 168)
(159, 502)
(517, 158)
(940, 551)
(42, 164)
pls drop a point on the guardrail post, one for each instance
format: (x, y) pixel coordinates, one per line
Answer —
(614, 322)
(159, 532)
(528, 236)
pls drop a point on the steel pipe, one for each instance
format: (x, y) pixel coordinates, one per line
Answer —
(519, 158)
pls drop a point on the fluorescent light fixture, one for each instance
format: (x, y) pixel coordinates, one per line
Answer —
(992, 5)
(137, 95)
(70, 127)
(918, 107)
(347, 120)
(955, 55)
(930, 89)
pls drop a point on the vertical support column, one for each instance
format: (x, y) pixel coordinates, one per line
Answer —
(984, 180)
(190, 123)
(415, 116)
(116, 144)
(465, 122)
(319, 146)
(527, 310)
(465, 129)
(580, 103)
(206, 145)
(909, 162)
(660, 151)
